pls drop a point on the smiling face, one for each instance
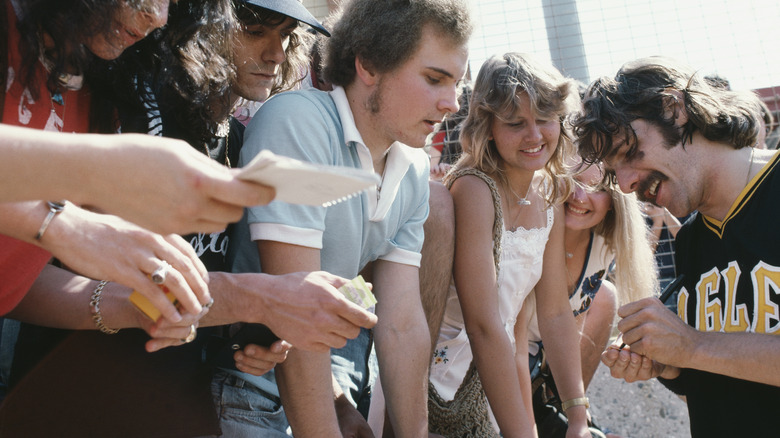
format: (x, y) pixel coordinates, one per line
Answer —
(130, 26)
(589, 203)
(660, 173)
(259, 52)
(525, 140)
(408, 101)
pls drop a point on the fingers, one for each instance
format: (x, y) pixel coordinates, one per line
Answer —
(188, 251)
(186, 281)
(239, 192)
(166, 334)
(610, 356)
(356, 318)
(626, 365)
(257, 360)
(357, 315)
(144, 285)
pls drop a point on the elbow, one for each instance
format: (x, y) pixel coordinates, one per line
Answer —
(485, 334)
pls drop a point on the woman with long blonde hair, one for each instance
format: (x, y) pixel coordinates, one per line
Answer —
(508, 190)
(609, 262)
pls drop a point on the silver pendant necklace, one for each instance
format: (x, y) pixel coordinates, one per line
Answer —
(524, 200)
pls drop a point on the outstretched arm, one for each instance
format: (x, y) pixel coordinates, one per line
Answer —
(305, 308)
(558, 329)
(403, 346)
(158, 183)
(107, 247)
(475, 280)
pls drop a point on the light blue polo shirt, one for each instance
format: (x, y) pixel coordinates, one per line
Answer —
(387, 224)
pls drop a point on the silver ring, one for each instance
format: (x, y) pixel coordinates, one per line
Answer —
(209, 304)
(159, 274)
(191, 336)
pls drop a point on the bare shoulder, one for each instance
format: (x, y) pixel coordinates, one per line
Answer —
(471, 188)
(472, 199)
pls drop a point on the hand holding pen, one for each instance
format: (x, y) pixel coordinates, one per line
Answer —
(668, 291)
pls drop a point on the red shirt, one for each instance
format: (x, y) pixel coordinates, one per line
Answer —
(20, 262)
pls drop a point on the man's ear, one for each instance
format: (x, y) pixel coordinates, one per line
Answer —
(674, 106)
(365, 73)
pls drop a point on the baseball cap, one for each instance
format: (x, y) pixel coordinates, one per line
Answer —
(293, 9)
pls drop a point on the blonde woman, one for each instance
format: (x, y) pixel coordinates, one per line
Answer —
(609, 262)
(508, 190)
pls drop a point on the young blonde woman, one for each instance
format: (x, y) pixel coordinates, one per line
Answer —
(508, 190)
(609, 262)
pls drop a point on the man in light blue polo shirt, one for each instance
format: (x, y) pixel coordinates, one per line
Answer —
(395, 67)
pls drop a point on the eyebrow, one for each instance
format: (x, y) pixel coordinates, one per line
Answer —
(442, 71)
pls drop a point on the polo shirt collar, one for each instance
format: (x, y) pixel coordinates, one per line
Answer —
(399, 159)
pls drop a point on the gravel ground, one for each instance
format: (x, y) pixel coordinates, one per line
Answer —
(637, 410)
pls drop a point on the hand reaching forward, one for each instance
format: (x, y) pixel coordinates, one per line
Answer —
(107, 247)
(159, 183)
(303, 308)
(169, 187)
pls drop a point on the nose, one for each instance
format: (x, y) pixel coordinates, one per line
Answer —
(534, 132)
(628, 178)
(156, 17)
(274, 52)
(449, 101)
(578, 195)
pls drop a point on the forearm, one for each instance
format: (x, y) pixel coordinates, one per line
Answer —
(561, 345)
(21, 220)
(305, 386)
(748, 356)
(238, 298)
(60, 299)
(499, 375)
(403, 350)
(51, 165)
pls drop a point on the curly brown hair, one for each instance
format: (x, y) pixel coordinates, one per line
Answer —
(645, 89)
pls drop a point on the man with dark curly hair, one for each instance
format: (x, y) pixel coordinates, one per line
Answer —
(679, 142)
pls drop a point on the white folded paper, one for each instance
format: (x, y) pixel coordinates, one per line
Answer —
(299, 182)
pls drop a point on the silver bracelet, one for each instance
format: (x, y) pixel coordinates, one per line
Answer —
(55, 208)
(94, 307)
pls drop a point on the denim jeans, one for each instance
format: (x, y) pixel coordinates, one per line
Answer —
(246, 411)
(355, 368)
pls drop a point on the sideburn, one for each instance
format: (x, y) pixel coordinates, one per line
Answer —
(374, 103)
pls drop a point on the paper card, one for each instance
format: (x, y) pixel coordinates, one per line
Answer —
(299, 182)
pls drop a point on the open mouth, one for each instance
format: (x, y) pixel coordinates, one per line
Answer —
(431, 123)
(648, 189)
(573, 209)
(653, 190)
(534, 150)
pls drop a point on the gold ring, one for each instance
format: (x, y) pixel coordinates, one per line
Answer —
(191, 336)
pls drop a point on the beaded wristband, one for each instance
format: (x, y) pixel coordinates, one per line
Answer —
(94, 307)
(579, 401)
